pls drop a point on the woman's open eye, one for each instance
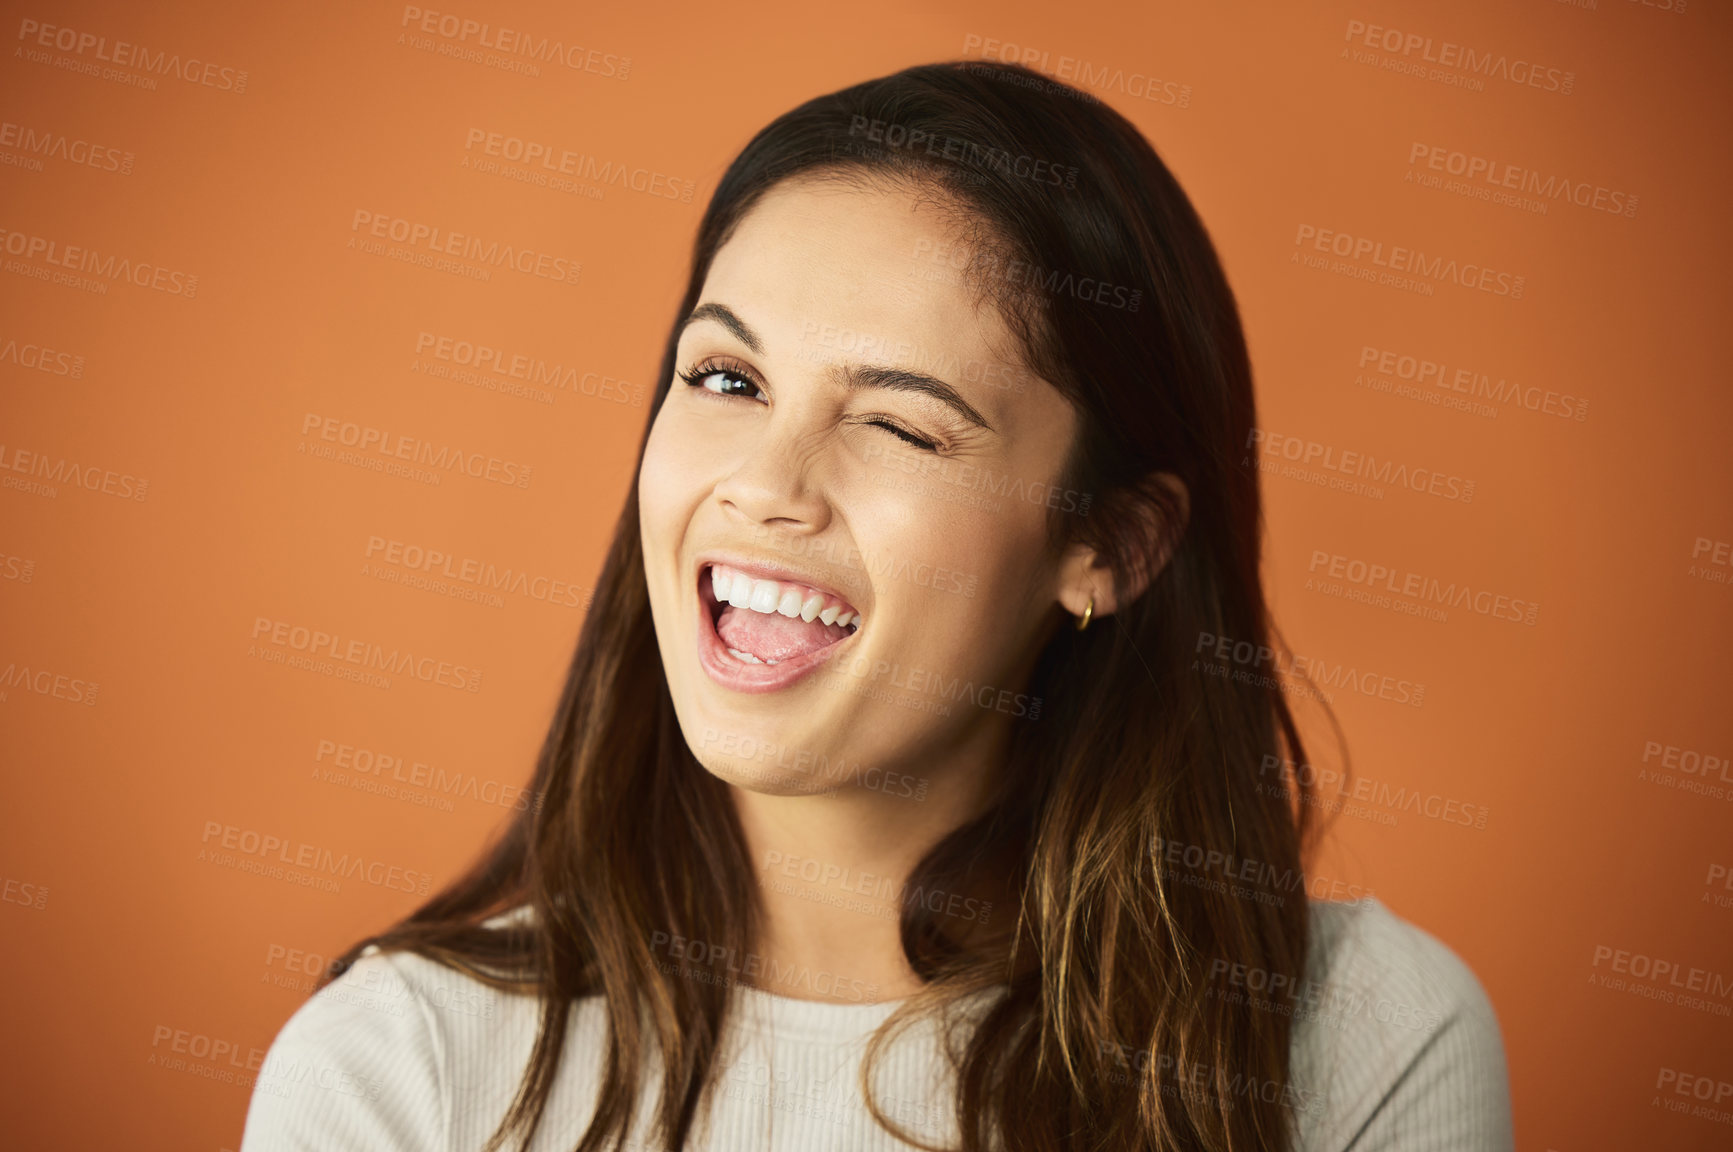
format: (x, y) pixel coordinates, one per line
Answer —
(730, 376)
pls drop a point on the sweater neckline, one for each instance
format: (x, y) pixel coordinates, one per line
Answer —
(832, 1021)
(829, 1020)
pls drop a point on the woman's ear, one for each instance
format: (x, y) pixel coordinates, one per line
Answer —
(1145, 526)
(1174, 520)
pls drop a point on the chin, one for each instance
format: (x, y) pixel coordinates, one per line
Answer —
(766, 779)
(756, 752)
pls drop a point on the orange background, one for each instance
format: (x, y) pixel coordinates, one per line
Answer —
(114, 929)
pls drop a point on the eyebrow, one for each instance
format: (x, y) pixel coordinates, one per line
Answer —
(725, 316)
(852, 376)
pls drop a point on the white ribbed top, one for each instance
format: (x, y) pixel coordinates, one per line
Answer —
(1395, 1047)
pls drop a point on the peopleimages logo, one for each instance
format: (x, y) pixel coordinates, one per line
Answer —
(1429, 589)
(112, 267)
(963, 151)
(50, 470)
(1709, 1092)
(1362, 465)
(41, 358)
(1500, 177)
(725, 964)
(1333, 787)
(1308, 669)
(363, 654)
(886, 889)
(443, 241)
(1224, 872)
(1081, 73)
(512, 46)
(532, 371)
(394, 446)
(957, 261)
(19, 568)
(975, 477)
(371, 770)
(579, 165)
(1471, 384)
(480, 573)
(1408, 261)
(59, 146)
(1664, 980)
(46, 682)
(1416, 50)
(137, 56)
(251, 851)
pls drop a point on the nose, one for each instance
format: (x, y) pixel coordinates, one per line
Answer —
(776, 480)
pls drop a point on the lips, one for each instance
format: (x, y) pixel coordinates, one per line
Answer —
(785, 637)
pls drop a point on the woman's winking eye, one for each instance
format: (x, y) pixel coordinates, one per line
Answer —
(735, 372)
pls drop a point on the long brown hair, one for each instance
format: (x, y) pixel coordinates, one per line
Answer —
(1142, 769)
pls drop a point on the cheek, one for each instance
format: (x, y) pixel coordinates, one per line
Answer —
(925, 557)
(664, 482)
(970, 580)
(687, 451)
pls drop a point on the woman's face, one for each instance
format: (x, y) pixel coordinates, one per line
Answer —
(848, 433)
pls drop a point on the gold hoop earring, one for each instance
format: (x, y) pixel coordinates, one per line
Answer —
(1088, 611)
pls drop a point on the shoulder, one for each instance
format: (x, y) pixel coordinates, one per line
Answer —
(366, 1061)
(1365, 946)
(402, 1052)
(1396, 1044)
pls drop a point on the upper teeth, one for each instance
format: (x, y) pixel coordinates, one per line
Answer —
(735, 587)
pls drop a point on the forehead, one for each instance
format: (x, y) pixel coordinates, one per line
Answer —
(827, 268)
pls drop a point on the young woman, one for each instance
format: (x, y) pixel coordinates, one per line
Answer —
(907, 788)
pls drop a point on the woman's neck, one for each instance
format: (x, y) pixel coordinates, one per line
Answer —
(833, 871)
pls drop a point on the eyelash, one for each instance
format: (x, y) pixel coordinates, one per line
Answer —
(716, 366)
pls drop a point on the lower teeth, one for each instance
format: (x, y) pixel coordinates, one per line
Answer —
(749, 657)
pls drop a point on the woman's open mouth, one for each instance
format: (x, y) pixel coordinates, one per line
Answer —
(757, 635)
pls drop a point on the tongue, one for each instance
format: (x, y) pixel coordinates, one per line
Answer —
(774, 636)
